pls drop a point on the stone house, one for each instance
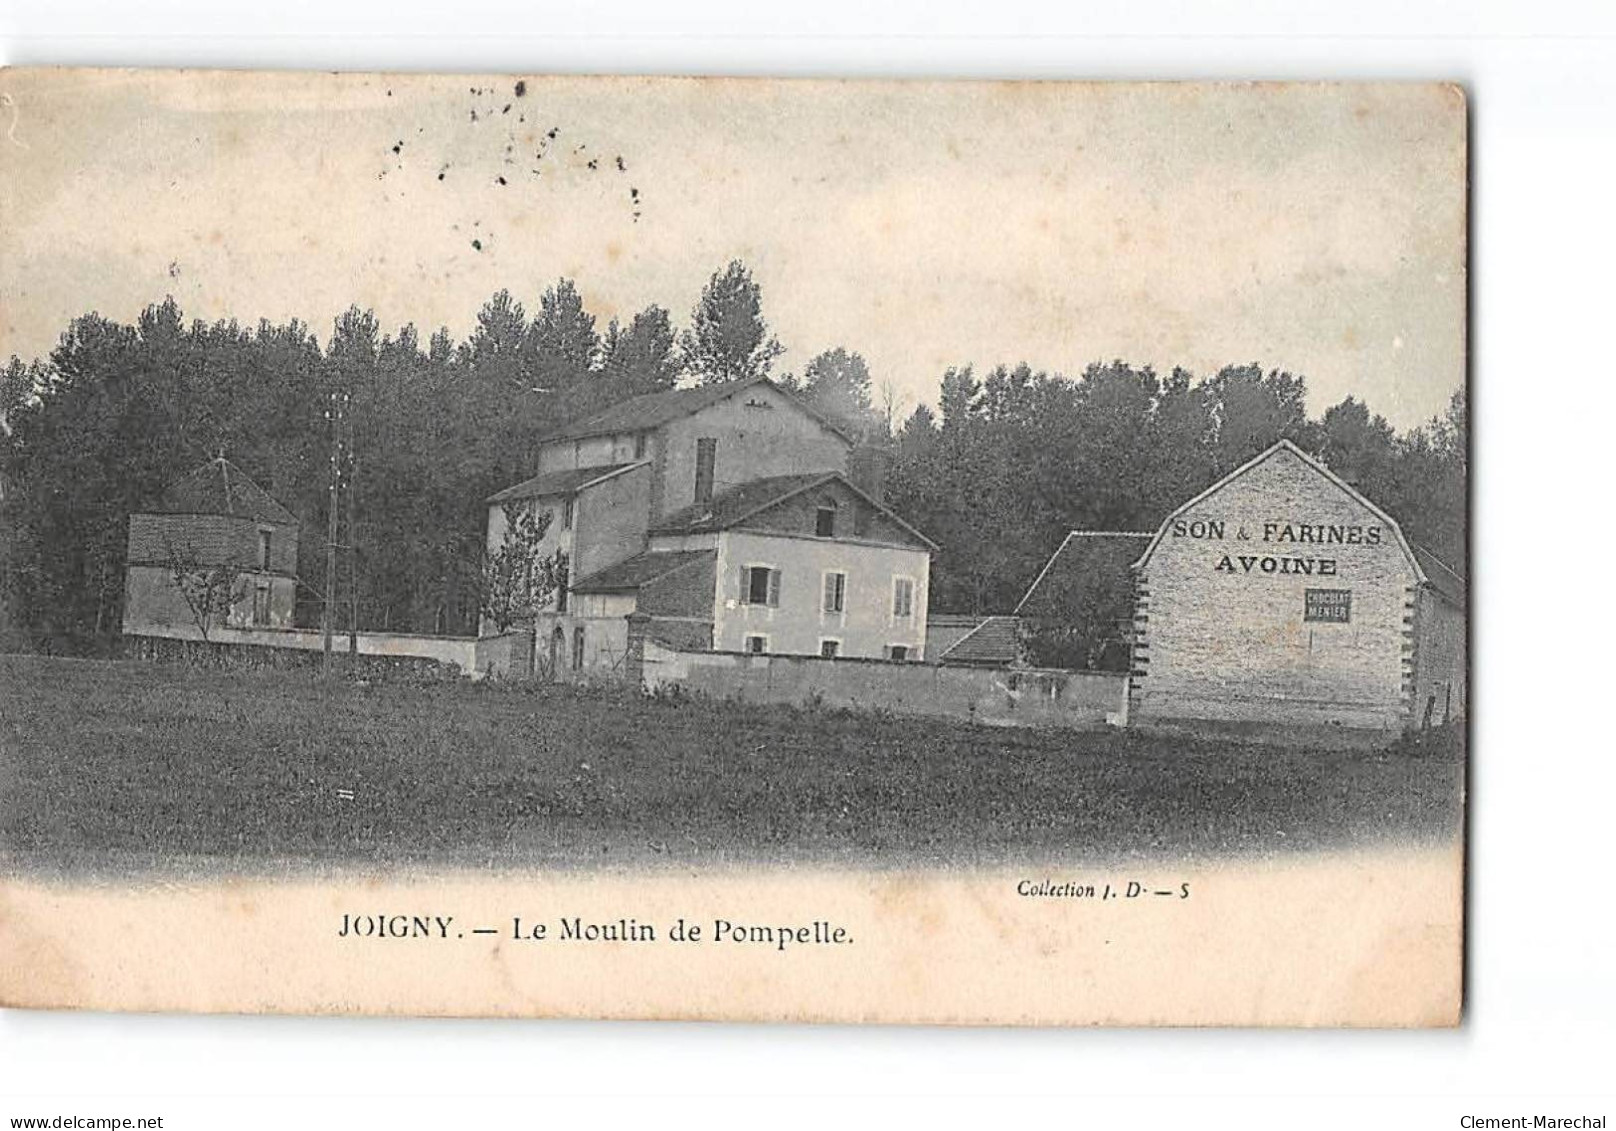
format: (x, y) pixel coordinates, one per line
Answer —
(719, 518)
(215, 518)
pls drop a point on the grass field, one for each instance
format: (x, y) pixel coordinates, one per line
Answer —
(108, 765)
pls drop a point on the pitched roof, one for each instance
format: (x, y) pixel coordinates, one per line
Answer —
(1443, 578)
(736, 505)
(952, 620)
(220, 487)
(652, 410)
(732, 506)
(640, 569)
(1084, 556)
(557, 482)
(995, 642)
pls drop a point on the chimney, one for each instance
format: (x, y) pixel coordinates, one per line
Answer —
(867, 468)
(706, 451)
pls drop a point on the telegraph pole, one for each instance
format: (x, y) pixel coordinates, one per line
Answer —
(334, 414)
(353, 555)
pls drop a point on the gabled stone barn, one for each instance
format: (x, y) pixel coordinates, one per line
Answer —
(1281, 595)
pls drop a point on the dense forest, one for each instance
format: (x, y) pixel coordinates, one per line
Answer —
(421, 432)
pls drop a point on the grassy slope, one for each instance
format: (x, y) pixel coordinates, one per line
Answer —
(105, 763)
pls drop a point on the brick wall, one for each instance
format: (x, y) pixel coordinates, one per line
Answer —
(215, 539)
(1220, 619)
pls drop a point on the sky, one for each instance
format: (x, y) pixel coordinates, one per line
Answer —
(1314, 228)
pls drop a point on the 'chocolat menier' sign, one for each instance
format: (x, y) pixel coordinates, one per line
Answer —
(1274, 534)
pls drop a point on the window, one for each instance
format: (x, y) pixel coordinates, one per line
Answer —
(261, 605)
(561, 590)
(578, 647)
(830, 649)
(757, 645)
(566, 515)
(903, 598)
(897, 651)
(263, 550)
(835, 592)
(639, 445)
(760, 585)
(825, 520)
(706, 456)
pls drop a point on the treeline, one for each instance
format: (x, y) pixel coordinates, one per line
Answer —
(1015, 459)
(425, 430)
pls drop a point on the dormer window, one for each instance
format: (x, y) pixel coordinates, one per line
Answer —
(825, 519)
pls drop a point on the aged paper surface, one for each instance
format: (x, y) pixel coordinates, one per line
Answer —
(1300, 943)
(1024, 585)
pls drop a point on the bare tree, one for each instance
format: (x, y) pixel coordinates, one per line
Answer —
(209, 591)
(892, 401)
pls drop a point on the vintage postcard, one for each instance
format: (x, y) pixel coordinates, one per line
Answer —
(918, 552)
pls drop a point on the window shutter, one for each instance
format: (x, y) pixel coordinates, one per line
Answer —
(774, 588)
(746, 585)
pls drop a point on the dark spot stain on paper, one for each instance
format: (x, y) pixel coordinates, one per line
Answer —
(505, 149)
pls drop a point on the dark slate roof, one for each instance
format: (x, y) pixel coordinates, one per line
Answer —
(652, 410)
(220, 487)
(735, 506)
(730, 507)
(638, 570)
(556, 483)
(1084, 558)
(1443, 578)
(996, 642)
(953, 620)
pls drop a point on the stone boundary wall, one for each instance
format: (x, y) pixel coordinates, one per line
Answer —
(508, 655)
(461, 651)
(993, 697)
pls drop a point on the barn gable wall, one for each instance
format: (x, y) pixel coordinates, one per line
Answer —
(1223, 631)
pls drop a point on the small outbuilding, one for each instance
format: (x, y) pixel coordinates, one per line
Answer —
(216, 548)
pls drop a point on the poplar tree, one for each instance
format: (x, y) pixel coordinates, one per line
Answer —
(728, 338)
